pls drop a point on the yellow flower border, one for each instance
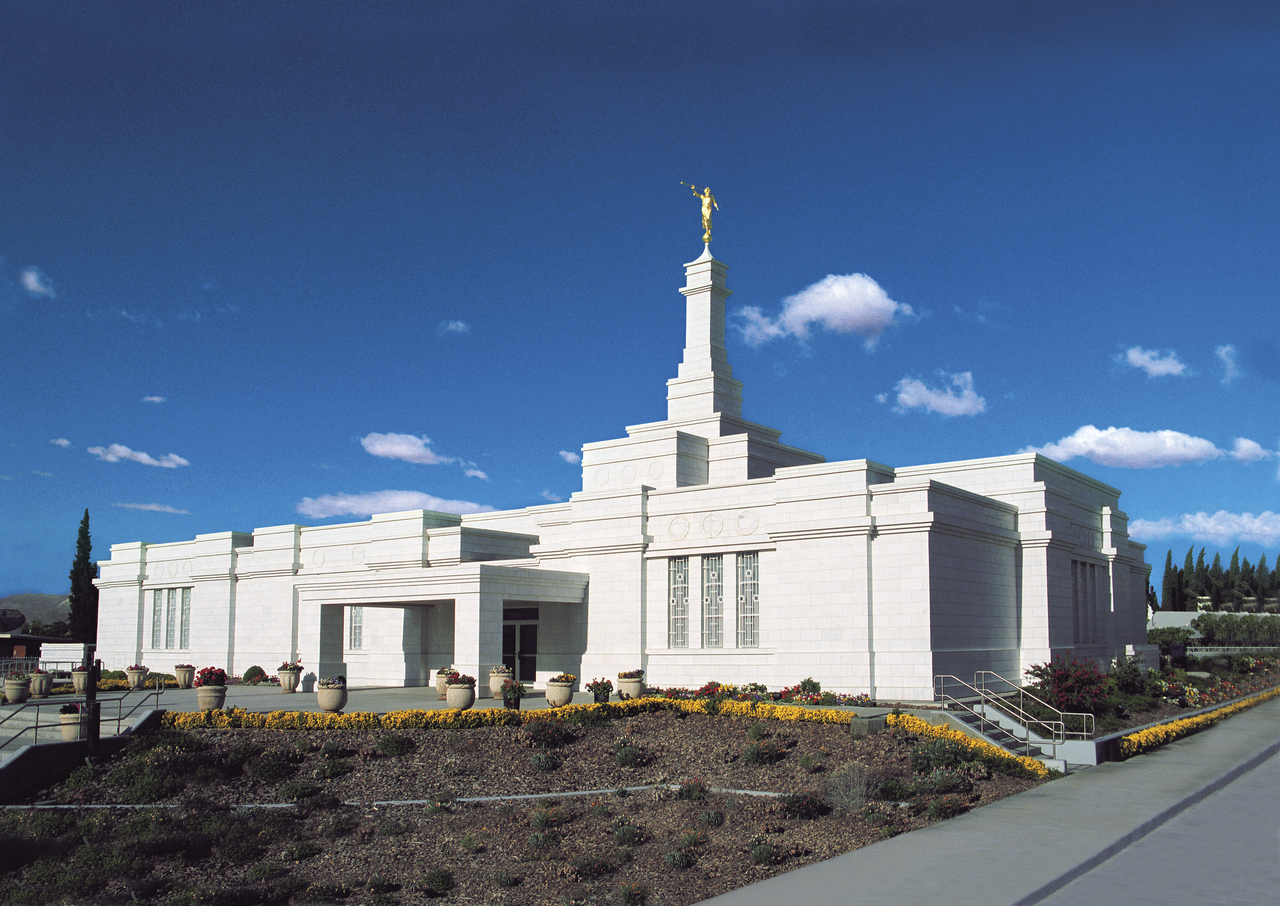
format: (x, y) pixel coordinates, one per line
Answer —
(918, 727)
(1154, 737)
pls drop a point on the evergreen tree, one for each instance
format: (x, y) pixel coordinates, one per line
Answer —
(1187, 591)
(1169, 588)
(1201, 582)
(84, 594)
(1216, 581)
(1262, 579)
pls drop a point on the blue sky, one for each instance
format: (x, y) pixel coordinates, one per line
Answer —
(309, 262)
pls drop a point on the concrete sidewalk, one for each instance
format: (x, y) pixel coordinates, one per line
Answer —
(1021, 849)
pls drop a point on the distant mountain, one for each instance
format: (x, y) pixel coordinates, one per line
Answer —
(45, 608)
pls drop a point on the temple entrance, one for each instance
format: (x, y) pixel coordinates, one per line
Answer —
(520, 641)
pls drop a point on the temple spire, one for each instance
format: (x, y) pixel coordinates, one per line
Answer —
(704, 386)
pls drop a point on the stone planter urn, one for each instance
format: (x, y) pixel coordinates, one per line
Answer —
(17, 690)
(211, 698)
(74, 726)
(41, 685)
(289, 680)
(630, 687)
(442, 681)
(601, 697)
(185, 676)
(559, 694)
(331, 698)
(495, 682)
(80, 681)
(137, 678)
(511, 704)
(460, 695)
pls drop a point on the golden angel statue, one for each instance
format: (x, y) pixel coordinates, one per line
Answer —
(708, 202)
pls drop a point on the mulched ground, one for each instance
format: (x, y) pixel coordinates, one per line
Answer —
(548, 851)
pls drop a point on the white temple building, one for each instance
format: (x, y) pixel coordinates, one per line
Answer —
(699, 548)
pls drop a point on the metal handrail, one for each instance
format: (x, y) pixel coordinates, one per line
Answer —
(102, 700)
(1086, 719)
(1055, 730)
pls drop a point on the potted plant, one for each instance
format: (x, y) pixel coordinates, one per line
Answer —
(211, 688)
(630, 684)
(17, 686)
(41, 683)
(601, 689)
(442, 679)
(560, 689)
(290, 675)
(460, 691)
(185, 674)
(80, 680)
(137, 676)
(331, 693)
(512, 691)
(73, 722)
(498, 674)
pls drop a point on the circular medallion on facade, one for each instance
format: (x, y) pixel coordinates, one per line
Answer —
(748, 522)
(173, 570)
(186, 567)
(628, 474)
(712, 525)
(357, 554)
(602, 476)
(655, 470)
(679, 528)
(317, 559)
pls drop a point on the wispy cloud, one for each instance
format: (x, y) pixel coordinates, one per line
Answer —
(61, 442)
(475, 473)
(1219, 528)
(153, 399)
(383, 502)
(37, 284)
(42, 474)
(403, 446)
(852, 303)
(958, 399)
(454, 327)
(1246, 450)
(572, 459)
(1154, 364)
(554, 498)
(153, 508)
(1230, 368)
(1129, 449)
(117, 452)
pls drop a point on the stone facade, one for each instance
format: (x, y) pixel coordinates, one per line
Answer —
(700, 547)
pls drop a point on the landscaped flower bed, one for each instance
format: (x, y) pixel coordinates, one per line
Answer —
(1154, 737)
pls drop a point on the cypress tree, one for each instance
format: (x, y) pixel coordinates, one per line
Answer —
(1216, 580)
(1262, 579)
(1169, 587)
(1202, 575)
(84, 594)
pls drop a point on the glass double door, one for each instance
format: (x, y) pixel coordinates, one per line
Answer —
(520, 641)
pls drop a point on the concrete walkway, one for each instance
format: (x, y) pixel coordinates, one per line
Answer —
(1023, 849)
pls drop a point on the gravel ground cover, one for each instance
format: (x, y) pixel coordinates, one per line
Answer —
(679, 843)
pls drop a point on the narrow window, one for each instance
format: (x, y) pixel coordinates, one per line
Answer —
(156, 597)
(184, 625)
(713, 602)
(678, 602)
(355, 635)
(749, 600)
(170, 605)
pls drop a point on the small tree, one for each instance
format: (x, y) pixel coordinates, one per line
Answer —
(84, 594)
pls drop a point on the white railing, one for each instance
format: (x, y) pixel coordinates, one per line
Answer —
(111, 708)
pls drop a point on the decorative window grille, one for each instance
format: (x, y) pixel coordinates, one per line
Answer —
(157, 598)
(170, 600)
(184, 625)
(1084, 601)
(713, 601)
(749, 600)
(678, 602)
(355, 634)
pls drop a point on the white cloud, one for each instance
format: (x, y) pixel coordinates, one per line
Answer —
(915, 394)
(1153, 364)
(42, 474)
(554, 498)
(475, 473)
(852, 303)
(1230, 370)
(383, 502)
(1126, 448)
(117, 452)
(453, 327)
(61, 442)
(153, 508)
(1246, 450)
(37, 284)
(403, 446)
(572, 459)
(153, 399)
(1221, 528)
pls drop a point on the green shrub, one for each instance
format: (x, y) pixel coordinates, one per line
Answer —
(894, 790)
(947, 806)
(679, 859)
(275, 764)
(947, 780)
(436, 882)
(847, 788)
(757, 732)
(937, 753)
(763, 854)
(625, 833)
(692, 790)
(633, 894)
(1072, 686)
(546, 733)
(334, 748)
(805, 804)
(1170, 635)
(300, 851)
(712, 818)
(396, 744)
(810, 764)
(544, 761)
(591, 866)
(810, 686)
(330, 770)
(253, 676)
(767, 751)
(295, 790)
(628, 757)
(692, 839)
(1126, 674)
